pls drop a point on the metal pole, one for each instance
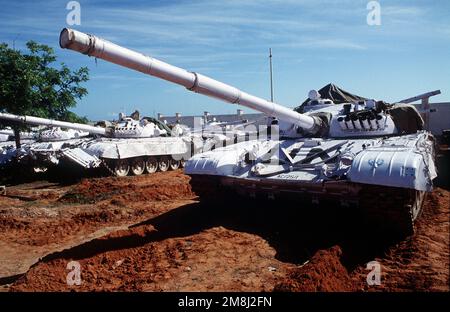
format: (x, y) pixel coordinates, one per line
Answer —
(271, 75)
(426, 114)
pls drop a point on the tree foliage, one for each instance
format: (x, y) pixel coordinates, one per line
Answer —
(31, 85)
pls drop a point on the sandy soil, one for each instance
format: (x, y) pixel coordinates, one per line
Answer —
(150, 233)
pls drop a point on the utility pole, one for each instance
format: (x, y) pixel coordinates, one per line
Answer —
(271, 75)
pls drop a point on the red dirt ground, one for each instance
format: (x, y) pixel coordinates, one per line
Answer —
(419, 263)
(149, 233)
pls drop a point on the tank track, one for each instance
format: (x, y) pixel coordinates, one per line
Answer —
(384, 210)
(208, 188)
(107, 167)
(389, 209)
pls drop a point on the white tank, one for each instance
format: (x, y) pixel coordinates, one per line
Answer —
(362, 154)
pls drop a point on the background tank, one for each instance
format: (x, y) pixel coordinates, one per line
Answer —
(8, 151)
(137, 145)
(7, 138)
(52, 143)
(214, 134)
(142, 144)
(355, 153)
(8, 135)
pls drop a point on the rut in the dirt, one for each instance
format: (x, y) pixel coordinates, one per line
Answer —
(278, 241)
(240, 244)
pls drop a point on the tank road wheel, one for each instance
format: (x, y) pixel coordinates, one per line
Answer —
(121, 167)
(37, 169)
(138, 166)
(182, 163)
(151, 165)
(417, 203)
(174, 164)
(164, 163)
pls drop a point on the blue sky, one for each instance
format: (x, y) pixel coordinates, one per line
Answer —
(314, 42)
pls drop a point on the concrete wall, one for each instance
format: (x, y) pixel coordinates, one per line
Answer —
(192, 121)
(438, 120)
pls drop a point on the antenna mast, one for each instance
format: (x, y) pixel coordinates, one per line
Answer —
(271, 75)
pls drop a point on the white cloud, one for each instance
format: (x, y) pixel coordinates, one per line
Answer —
(318, 43)
(408, 11)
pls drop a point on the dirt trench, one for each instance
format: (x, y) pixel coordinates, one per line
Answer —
(150, 233)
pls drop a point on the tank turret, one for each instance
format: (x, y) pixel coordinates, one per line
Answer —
(135, 127)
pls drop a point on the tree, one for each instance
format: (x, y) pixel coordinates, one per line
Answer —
(30, 85)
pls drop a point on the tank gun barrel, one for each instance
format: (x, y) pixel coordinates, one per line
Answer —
(420, 97)
(100, 48)
(53, 123)
(6, 132)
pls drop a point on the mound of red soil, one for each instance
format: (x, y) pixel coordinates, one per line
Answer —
(324, 272)
(137, 260)
(422, 262)
(176, 243)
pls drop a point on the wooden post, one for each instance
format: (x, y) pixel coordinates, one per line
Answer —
(17, 137)
(426, 112)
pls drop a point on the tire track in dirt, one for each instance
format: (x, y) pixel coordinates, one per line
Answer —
(36, 219)
(234, 244)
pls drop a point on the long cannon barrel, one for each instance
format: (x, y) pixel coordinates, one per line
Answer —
(7, 132)
(100, 48)
(53, 123)
(23, 135)
(420, 97)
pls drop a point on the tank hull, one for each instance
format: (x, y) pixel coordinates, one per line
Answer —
(406, 161)
(129, 148)
(122, 157)
(47, 154)
(9, 153)
(386, 178)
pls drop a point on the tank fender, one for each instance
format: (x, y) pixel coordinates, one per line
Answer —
(228, 160)
(401, 167)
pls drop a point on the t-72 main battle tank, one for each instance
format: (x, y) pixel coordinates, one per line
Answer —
(142, 144)
(7, 138)
(367, 153)
(139, 145)
(51, 143)
(8, 135)
(8, 151)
